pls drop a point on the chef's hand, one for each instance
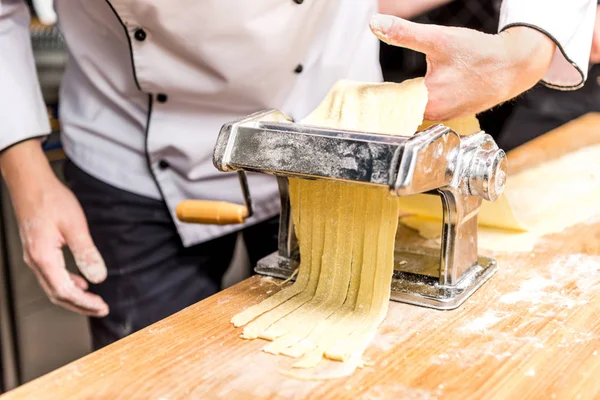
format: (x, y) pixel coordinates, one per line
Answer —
(49, 217)
(469, 71)
(595, 54)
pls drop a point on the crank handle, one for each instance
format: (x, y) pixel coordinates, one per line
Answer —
(211, 212)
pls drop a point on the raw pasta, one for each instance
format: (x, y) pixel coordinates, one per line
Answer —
(346, 234)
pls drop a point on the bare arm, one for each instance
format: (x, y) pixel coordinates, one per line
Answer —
(48, 214)
(50, 217)
(595, 54)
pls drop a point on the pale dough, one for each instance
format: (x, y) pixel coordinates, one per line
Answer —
(464, 126)
(302, 228)
(346, 234)
(314, 246)
(536, 202)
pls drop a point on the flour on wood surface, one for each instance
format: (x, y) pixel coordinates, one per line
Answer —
(566, 282)
(254, 383)
(486, 321)
(396, 391)
(536, 299)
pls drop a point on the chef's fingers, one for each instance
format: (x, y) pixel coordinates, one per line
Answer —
(48, 265)
(86, 255)
(80, 282)
(66, 304)
(424, 38)
(84, 307)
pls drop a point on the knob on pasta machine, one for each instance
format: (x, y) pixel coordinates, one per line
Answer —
(487, 175)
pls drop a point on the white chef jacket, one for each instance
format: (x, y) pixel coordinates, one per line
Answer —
(149, 83)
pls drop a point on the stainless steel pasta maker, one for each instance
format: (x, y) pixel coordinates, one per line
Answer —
(461, 170)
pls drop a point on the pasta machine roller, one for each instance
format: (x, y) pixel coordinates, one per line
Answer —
(463, 171)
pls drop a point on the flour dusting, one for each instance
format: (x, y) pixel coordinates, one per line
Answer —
(382, 392)
(489, 319)
(255, 385)
(529, 291)
(502, 331)
(566, 282)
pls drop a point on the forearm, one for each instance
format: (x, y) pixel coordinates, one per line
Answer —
(408, 9)
(595, 53)
(25, 169)
(568, 23)
(529, 54)
(50, 217)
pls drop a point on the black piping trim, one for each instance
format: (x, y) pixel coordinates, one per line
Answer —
(559, 46)
(137, 83)
(44, 136)
(147, 154)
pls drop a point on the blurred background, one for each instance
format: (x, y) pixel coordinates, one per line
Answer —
(37, 337)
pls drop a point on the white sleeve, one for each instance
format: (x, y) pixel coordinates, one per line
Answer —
(569, 23)
(23, 114)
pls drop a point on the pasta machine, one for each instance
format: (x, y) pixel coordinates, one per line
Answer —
(463, 171)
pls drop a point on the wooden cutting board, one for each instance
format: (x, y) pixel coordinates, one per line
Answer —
(531, 332)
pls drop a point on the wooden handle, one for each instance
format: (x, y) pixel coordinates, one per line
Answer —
(211, 212)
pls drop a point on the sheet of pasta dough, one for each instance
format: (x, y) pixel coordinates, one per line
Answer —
(536, 202)
(346, 234)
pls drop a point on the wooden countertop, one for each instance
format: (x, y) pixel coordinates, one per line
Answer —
(531, 332)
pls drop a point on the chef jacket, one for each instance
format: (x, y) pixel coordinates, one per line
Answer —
(148, 83)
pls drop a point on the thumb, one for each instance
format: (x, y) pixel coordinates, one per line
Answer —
(424, 38)
(86, 255)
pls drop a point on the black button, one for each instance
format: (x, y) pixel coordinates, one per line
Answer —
(163, 164)
(299, 69)
(298, 1)
(139, 34)
(162, 98)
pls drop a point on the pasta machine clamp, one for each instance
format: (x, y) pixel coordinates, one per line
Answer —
(463, 171)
